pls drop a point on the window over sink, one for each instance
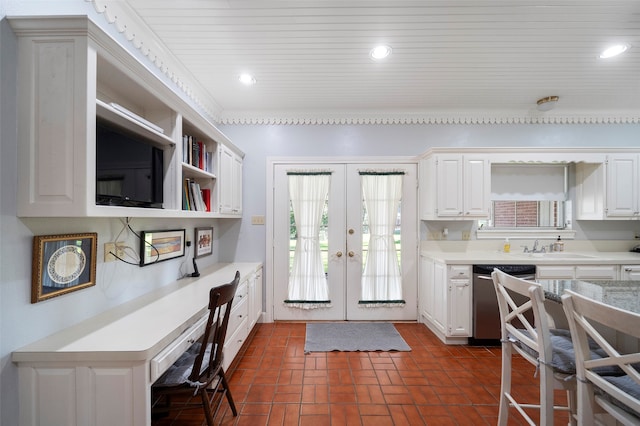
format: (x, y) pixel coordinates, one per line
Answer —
(528, 200)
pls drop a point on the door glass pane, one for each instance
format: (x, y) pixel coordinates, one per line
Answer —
(323, 237)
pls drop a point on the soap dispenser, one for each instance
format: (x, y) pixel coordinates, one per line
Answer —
(507, 246)
(559, 245)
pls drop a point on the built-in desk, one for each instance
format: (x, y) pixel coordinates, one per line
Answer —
(99, 372)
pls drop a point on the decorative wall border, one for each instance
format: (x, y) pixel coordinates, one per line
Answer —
(258, 118)
(136, 31)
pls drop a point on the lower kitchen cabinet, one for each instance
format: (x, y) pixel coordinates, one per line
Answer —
(445, 300)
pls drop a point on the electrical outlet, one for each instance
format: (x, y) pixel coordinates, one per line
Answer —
(466, 235)
(120, 248)
(109, 248)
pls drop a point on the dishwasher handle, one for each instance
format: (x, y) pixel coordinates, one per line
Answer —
(522, 277)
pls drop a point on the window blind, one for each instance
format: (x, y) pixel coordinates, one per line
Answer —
(540, 182)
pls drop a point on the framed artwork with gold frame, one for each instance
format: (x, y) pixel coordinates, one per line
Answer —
(62, 264)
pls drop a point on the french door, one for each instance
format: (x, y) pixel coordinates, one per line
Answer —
(342, 250)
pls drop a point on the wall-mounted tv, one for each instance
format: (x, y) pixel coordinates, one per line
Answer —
(129, 169)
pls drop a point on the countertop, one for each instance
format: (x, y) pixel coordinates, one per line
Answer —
(617, 293)
(477, 257)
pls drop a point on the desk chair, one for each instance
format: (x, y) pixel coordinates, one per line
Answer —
(517, 298)
(617, 392)
(199, 370)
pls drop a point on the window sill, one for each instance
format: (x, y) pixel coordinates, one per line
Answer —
(525, 234)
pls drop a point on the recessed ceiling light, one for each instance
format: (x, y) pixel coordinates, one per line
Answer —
(614, 51)
(247, 79)
(380, 52)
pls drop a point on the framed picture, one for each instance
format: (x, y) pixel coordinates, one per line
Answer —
(156, 246)
(203, 241)
(62, 264)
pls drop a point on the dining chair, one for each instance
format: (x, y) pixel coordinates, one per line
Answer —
(550, 353)
(601, 390)
(199, 372)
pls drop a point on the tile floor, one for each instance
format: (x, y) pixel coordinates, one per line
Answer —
(275, 383)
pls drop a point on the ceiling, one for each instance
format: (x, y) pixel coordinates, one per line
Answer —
(451, 58)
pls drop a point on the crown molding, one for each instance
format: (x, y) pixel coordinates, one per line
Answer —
(426, 117)
(139, 36)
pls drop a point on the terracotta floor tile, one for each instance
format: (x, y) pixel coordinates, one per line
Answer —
(275, 383)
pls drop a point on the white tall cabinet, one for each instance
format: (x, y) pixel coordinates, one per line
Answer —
(455, 186)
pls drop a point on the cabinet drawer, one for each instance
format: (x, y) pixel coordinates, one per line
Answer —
(234, 342)
(459, 271)
(603, 272)
(241, 294)
(172, 352)
(555, 272)
(238, 314)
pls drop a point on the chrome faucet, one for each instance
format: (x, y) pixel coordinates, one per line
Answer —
(535, 249)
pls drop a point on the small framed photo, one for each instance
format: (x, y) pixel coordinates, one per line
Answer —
(62, 264)
(204, 242)
(156, 246)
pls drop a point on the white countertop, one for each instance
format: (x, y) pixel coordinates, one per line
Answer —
(471, 257)
(139, 329)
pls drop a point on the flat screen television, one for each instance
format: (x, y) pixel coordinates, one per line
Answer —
(129, 169)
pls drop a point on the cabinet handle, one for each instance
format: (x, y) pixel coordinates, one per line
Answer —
(351, 254)
(339, 254)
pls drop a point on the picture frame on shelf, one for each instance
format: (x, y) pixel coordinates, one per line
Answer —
(203, 242)
(62, 264)
(157, 246)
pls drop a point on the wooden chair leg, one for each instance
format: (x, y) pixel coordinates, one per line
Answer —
(206, 406)
(225, 386)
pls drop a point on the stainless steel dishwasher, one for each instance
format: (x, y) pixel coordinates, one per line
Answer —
(486, 315)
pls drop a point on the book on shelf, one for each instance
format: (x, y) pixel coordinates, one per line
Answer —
(185, 196)
(206, 196)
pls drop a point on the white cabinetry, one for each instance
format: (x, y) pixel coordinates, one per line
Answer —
(100, 372)
(71, 74)
(630, 272)
(230, 193)
(455, 186)
(569, 272)
(445, 300)
(622, 186)
(609, 190)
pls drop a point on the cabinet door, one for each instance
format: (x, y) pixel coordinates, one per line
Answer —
(426, 289)
(236, 196)
(225, 180)
(459, 307)
(440, 293)
(622, 186)
(477, 183)
(449, 185)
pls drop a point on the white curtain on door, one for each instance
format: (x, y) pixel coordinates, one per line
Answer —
(308, 287)
(381, 279)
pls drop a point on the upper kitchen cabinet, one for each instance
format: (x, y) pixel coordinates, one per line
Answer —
(230, 194)
(455, 187)
(98, 134)
(609, 190)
